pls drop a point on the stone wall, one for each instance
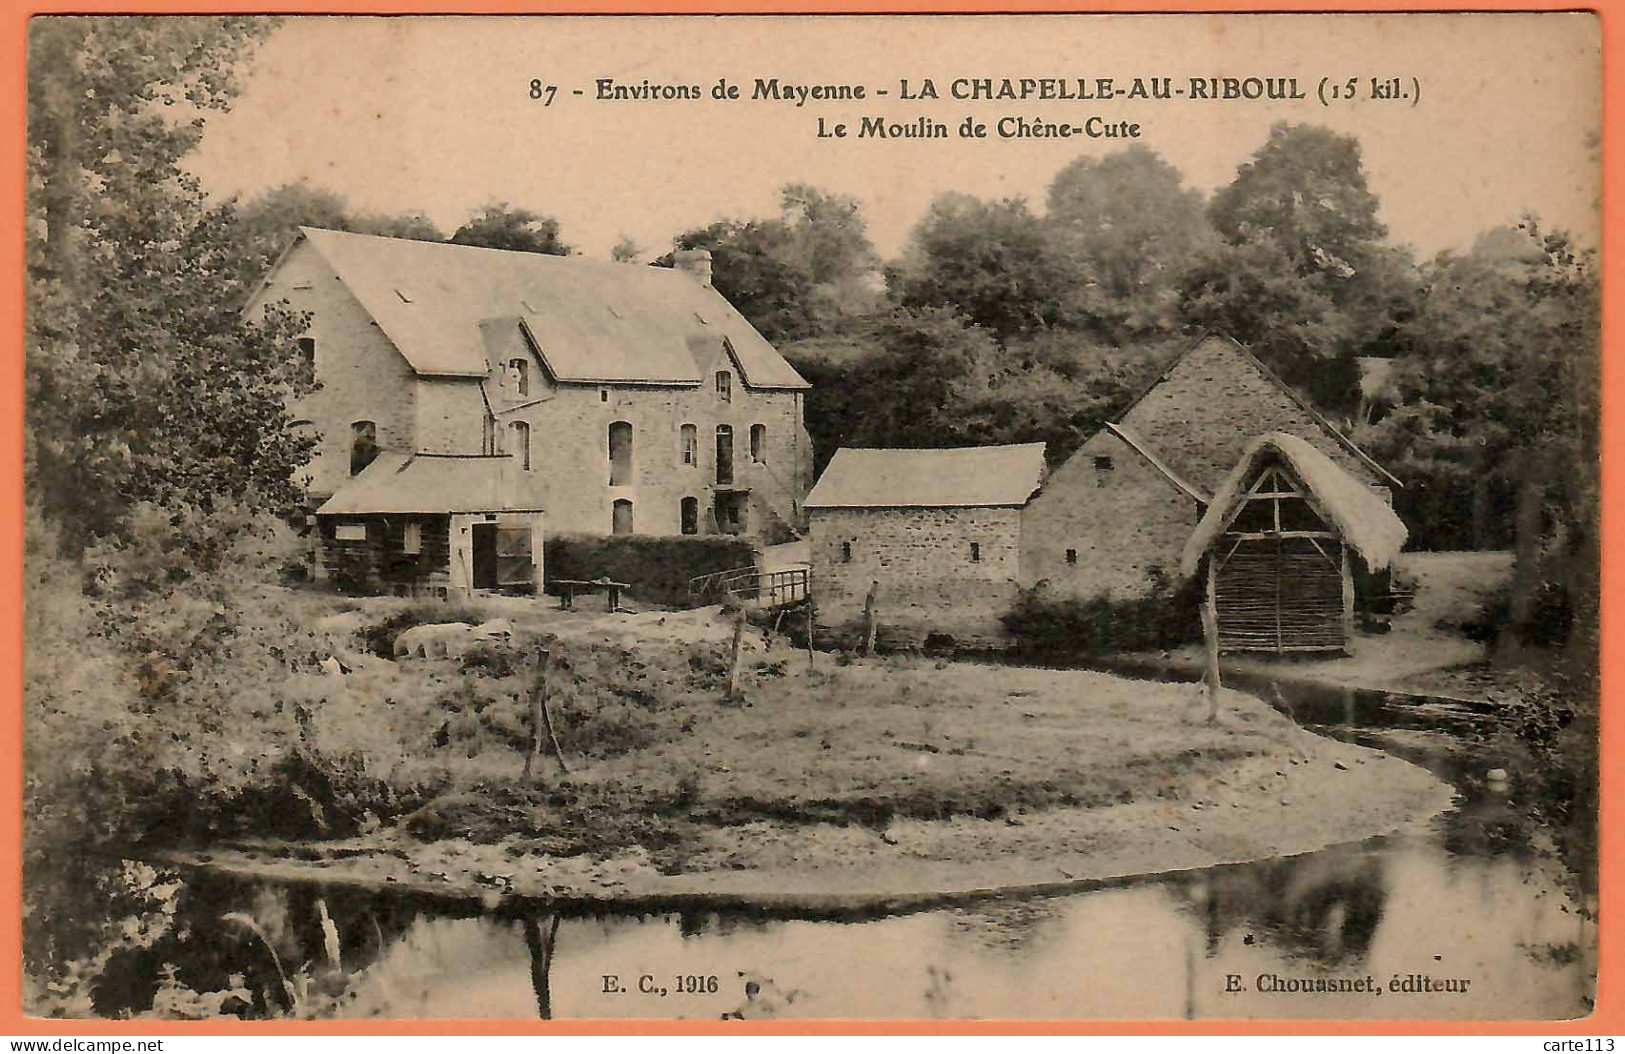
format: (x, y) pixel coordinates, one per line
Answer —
(450, 415)
(362, 376)
(929, 582)
(1130, 523)
(1215, 401)
(1120, 523)
(570, 448)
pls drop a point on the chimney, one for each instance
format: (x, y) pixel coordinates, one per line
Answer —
(696, 263)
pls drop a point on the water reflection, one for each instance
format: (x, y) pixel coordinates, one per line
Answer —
(1206, 944)
(1459, 919)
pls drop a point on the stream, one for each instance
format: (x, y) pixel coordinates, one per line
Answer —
(1465, 916)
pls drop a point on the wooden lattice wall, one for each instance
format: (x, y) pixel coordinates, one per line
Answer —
(1279, 576)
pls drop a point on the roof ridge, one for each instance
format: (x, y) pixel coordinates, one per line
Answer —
(1270, 375)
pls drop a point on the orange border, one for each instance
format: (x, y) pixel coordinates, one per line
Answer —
(1609, 1017)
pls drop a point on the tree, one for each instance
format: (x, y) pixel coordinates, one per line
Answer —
(500, 226)
(801, 274)
(1302, 272)
(989, 261)
(142, 382)
(102, 126)
(1125, 228)
(266, 225)
(1498, 388)
(626, 250)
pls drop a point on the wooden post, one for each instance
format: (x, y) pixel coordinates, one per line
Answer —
(1348, 596)
(541, 721)
(811, 651)
(738, 649)
(1210, 636)
(871, 617)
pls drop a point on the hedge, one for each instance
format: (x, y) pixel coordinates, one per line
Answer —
(656, 567)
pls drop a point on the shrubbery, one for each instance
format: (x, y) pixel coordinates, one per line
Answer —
(1166, 617)
(656, 567)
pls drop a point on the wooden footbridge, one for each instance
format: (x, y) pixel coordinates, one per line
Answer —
(753, 588)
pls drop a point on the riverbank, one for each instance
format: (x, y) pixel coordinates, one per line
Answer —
(1422, 651)
(862, 783)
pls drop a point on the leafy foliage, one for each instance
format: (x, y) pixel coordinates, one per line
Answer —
(501, 226)
(796, 274)
(1125, 228)
(1301, 272)
(989, 261)
(1165, 617)
(143, 384)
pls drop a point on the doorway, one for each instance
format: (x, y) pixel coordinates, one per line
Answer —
(485, 555)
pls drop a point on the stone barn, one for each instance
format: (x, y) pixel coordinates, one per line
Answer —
(1113, 519)
(1279, 547)
(936, 533)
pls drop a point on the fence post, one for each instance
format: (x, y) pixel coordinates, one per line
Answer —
(541, 721)
(1210, 636)
(738, 649)
(871, 617)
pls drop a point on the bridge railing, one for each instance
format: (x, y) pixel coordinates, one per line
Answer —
(752, 587)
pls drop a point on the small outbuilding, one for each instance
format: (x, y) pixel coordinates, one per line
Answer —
(1281, 542)
(936, 534)
(434, 522)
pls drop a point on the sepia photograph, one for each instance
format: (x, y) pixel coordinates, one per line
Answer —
(917, 518)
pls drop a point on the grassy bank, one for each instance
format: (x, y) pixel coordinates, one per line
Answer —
(888, 774)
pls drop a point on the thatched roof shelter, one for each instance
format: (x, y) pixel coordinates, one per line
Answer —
(1366, 522)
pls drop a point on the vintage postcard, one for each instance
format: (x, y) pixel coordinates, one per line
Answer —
(1047, 517)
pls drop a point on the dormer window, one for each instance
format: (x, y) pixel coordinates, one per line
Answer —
(519, 376)
(725, 386)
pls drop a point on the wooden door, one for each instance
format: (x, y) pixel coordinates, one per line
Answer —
(485, 555)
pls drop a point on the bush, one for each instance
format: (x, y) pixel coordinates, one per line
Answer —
(1166, 617)
(656, 567)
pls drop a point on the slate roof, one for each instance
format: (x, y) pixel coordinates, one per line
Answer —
(1363, 519)
(398, 484)
(944, 478)
(1139, 446)
(1274, 379)
(590, 321)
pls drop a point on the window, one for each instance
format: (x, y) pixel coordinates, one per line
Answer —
(307, 351)
(725, 386)
(691, 444)
(1071, 556)
(621, 517)
(620, 454)
(363, 445)
(725, 454)
(846, 552)
(758, 441)
(1103, 463)
(519, 442)
(976, 552)
(603, 395)
(350, 532)
(691, 515)
(412, 539)
(519, 375)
